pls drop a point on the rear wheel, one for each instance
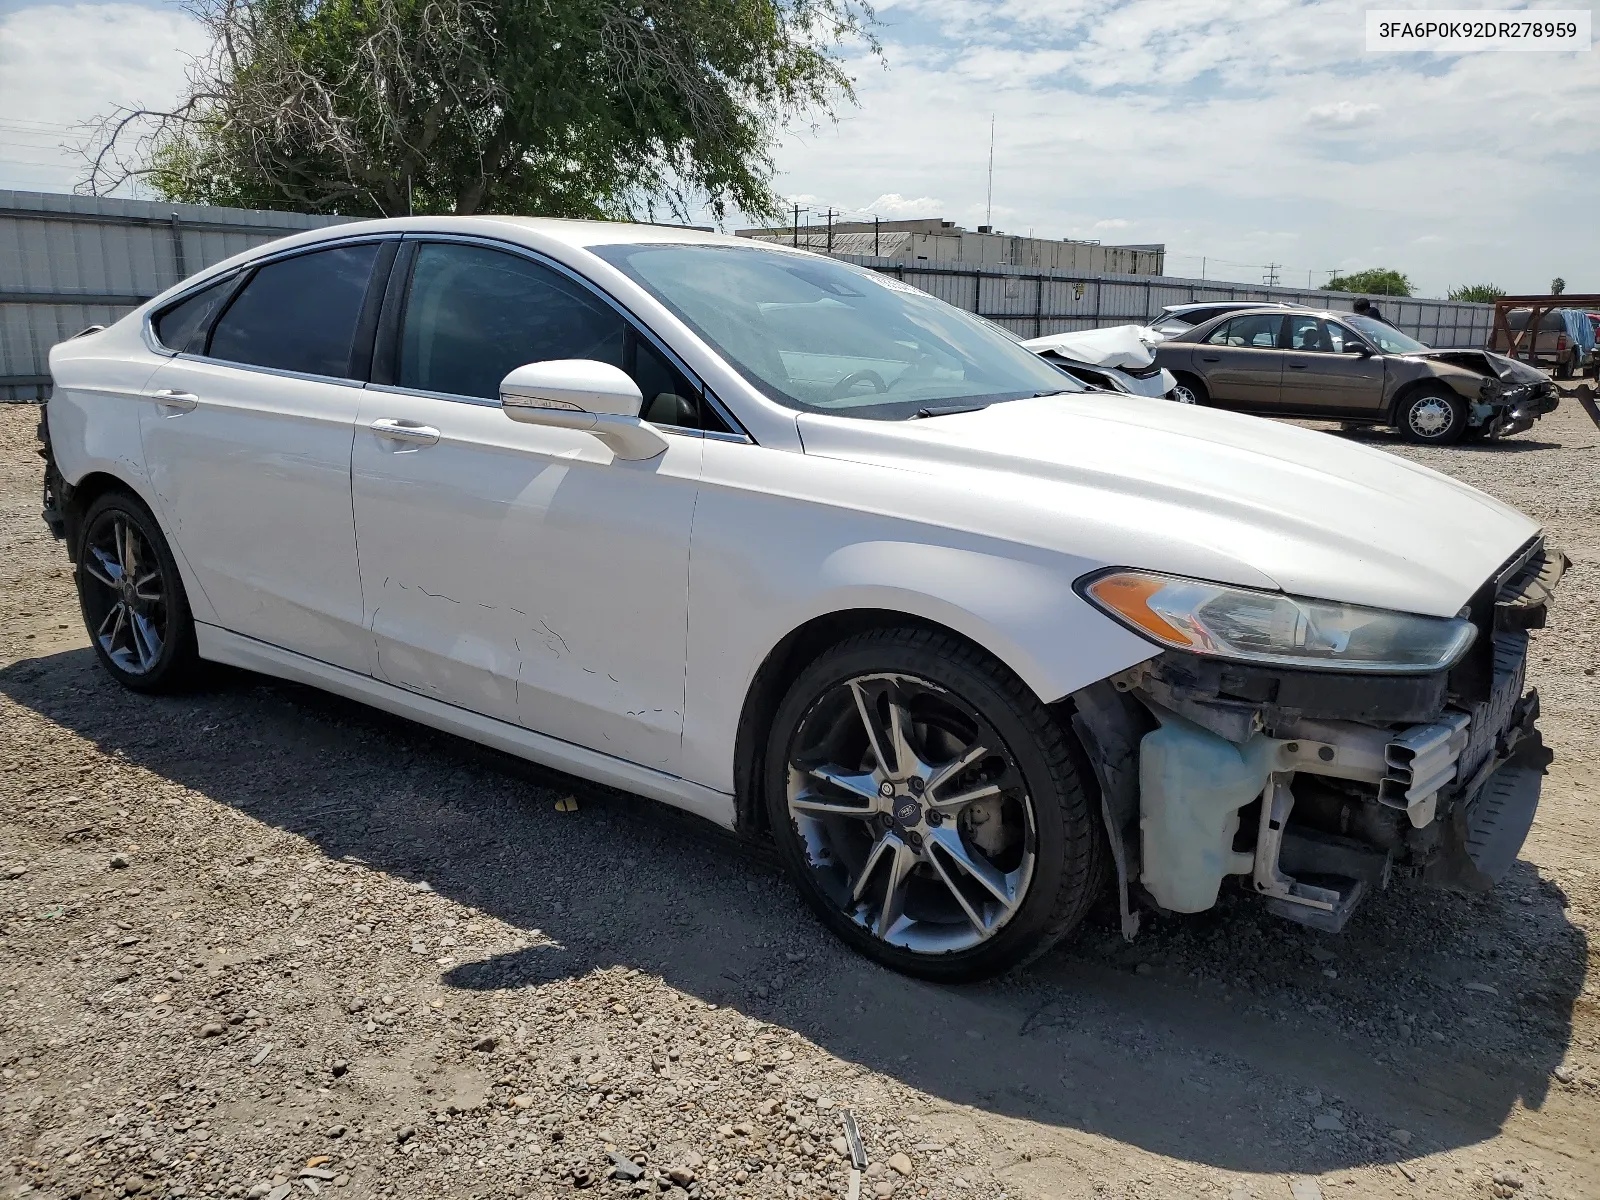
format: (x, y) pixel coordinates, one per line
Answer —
(132, 598)
(930, 808)
(1432, 416)
(1188, 390)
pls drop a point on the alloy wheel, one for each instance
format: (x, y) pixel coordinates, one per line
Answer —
(912, 813)
(1183, 394)
(124, 593)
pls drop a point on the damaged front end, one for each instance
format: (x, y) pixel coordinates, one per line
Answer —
(1511, 396)
(1317, 786)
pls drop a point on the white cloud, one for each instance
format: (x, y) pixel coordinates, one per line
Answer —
(63, 65)
(1344, 112)
(892, 204)
(1113, 223)
(1206, 125)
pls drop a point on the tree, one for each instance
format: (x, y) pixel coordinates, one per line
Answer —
(579, 108)
(1377, 281)
(1482, 293)
(1557, 286)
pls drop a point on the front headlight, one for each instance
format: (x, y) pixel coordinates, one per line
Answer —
(1244, 625)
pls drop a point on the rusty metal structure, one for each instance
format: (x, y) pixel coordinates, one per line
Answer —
(1505, 305)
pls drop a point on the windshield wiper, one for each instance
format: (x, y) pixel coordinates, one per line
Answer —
(948, 410)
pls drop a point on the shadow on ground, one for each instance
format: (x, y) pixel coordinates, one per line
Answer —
(1196, 1042)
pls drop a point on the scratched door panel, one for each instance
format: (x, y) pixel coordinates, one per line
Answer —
(526, 574)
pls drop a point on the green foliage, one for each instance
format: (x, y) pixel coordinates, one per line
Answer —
(1557, 286)
(1481, 293)
(574, 108)
(1378, 281)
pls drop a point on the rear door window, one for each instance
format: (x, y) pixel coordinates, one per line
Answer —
(299, 314)
(1259, 331)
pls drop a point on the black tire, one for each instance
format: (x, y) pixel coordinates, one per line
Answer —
(124, 646)
(1431, 416)
(1194, 387)
(1041, 783)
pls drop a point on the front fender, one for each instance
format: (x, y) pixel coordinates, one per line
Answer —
(763, 564)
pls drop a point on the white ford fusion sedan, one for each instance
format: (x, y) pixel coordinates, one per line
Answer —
(801, 549)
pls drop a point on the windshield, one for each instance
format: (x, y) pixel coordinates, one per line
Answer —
(823, 336)
(1385, 337)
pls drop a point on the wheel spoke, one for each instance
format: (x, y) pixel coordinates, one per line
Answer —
(947, 842)
(893, 859)
(864, 787)
(143, 582)
(960, 896)
(905, 759)
(146, 641)
(126, 550)
(876, 736)
(951, 805)
(948, 771)
(108, 572)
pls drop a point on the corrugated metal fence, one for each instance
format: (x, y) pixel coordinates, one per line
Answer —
(71, 261)
(1033, 304)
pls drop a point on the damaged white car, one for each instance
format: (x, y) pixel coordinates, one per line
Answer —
(1120, 358)
(803, 550)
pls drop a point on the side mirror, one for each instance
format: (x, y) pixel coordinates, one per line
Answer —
(582, 394)
(1361, 348)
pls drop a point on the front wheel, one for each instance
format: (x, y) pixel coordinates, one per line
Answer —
(133, 602)
(1432, 417)
(930, 808)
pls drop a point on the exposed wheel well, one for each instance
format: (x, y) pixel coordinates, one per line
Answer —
(783, 664)
(79, 496)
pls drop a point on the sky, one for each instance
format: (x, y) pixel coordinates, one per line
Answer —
(1240, 133)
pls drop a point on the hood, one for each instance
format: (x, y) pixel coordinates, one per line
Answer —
(1485, 362)
(1125, 347)
(1201, 492)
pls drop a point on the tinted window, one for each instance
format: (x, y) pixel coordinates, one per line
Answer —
(177, 327)
(473, 314)
(1259, 331)
(299, 314)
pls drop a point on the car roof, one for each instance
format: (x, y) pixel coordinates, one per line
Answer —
(1178, 310)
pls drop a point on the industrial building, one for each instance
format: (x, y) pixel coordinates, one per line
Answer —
(936, 242)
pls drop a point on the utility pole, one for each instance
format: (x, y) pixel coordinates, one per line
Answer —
(988, 216)
(796, 229)
(1271, 277)
(831, 216)
(875, 237)
(1202, 266)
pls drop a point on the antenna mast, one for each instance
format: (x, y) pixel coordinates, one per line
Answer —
(988, 217)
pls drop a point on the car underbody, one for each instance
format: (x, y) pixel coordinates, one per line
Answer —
(1317, 788)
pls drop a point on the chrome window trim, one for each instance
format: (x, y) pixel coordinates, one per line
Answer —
(341, 380)
(394, 389)
(147, 325)
(739, 432)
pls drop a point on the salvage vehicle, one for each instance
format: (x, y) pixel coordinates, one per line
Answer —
(1347, 367)
(1118, 358)
(803, 550)
(1553, 344)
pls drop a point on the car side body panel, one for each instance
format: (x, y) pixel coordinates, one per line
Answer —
(766, 557)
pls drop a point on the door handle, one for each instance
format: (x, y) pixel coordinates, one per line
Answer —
(1211, 358)
(1299, 366)
(405, 431)
(175, 400)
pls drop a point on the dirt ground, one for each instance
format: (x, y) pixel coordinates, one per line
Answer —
(259, 941)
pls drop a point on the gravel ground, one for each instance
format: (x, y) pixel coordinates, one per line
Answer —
(258, 941)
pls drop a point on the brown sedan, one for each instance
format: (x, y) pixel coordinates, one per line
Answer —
(1351, 368)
